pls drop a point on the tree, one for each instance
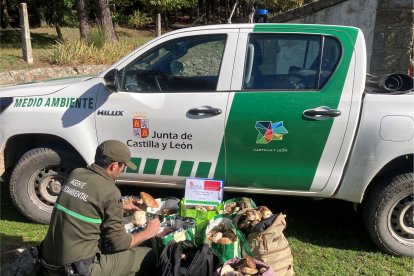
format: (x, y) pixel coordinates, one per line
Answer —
(164, 6)
(278, 6)
(57, 13)
(105, 19)
(5, 22)
(40, 12)
(83, 16)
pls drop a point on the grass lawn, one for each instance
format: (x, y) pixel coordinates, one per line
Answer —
(327, 236)
(11, 57)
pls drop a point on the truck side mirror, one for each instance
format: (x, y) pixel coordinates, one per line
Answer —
(111, 80)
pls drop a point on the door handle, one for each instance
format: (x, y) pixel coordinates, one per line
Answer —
(321, 113)
(205, 110)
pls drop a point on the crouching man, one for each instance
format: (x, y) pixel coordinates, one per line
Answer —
(89, 210)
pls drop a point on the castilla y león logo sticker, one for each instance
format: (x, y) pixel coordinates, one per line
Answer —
(140, 124)
(269, 131)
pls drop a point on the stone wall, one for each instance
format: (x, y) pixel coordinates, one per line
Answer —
(40, 74)
(387, 26)
(393, 36)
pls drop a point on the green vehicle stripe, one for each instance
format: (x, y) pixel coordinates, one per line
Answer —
(219, 172)
(185, 168)
(295, 169)
(203, 169)
(339, 31)
(151, 166)
(168, 167)
(76, 215)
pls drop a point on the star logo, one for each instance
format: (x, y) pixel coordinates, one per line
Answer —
(269, 131)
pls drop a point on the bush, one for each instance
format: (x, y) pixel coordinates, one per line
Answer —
(73, 53)
(120, 19)
(97, 37)
(139, 19)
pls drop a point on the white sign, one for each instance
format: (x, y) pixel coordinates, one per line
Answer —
(203, 192)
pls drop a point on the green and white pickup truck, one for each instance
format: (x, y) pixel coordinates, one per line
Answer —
(268, 108)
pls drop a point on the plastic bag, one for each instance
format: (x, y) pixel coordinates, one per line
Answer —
(202, 217)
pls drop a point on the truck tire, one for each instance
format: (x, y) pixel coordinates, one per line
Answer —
(37, 178)
(388, 215)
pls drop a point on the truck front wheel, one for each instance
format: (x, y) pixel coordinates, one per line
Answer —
(388, 215)
(37, 178)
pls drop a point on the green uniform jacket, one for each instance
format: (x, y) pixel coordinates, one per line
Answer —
(87, 209)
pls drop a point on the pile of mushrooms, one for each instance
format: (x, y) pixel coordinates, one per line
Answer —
(236, 206)
(232, 208)
(245, 266)
(222, 234)
(248, 219)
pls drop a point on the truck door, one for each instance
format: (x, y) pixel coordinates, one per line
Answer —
(287, 123)
(171, 106)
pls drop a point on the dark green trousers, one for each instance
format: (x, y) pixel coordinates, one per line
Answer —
(136, 261)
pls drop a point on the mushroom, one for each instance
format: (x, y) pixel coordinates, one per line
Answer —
(244, 225)
(248, 270)
(148, 200)
(216, 236)
(140, 218)
(262, 270)
(210, 208)
(232, 204)
(253, 223)
(224, 240)
(250, 262)
(253, 215)
(232, 208)
(201, 208)
(227, 270)
(228, 210)
(265, 212)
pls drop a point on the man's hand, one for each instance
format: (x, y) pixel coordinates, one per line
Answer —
(130, 207)
(153, 226)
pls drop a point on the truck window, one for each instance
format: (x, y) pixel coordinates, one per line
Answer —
(180, 65)
(289, 61)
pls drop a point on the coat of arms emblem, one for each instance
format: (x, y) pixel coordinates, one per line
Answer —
(140, 125)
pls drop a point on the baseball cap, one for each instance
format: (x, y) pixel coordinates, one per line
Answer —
(115, 151)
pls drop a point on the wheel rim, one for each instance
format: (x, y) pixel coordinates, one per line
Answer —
(401, 220)
(46, 186)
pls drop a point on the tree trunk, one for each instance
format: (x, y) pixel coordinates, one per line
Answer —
(41, 16)
(5, 14)
(59, 32)
(55, 20)
(83, 16)
(106, 21)
(198, 11)
(205, 12)
(167, 24)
